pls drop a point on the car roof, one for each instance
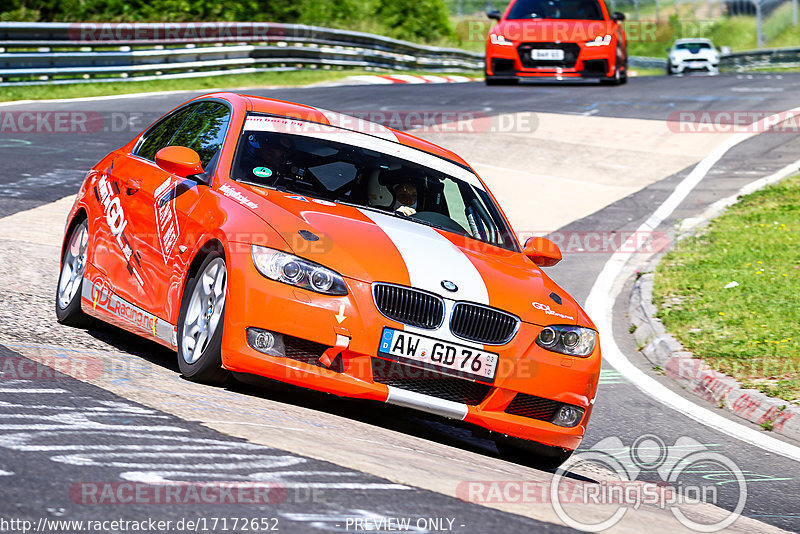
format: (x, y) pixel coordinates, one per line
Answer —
(262, 104)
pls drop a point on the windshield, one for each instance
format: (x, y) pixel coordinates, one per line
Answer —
(369, 172)
(692, 47)
(556, 9)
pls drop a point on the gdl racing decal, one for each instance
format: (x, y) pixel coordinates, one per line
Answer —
(107, 193)
(100, 294)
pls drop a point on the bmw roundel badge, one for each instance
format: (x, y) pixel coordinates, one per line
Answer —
(448, 285)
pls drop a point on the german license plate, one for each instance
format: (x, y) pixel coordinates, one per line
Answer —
(448, 358)
(547, 54)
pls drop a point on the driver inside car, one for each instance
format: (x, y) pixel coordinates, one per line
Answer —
(405, 196)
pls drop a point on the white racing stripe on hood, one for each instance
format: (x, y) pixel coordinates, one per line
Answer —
(430, 259)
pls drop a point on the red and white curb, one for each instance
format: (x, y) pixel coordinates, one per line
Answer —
(385, 79)
(697, 377)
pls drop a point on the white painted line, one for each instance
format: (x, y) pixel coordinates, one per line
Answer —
(599, 305)
(108, 97)
(5, 473)
(717, 207)
(22, 390)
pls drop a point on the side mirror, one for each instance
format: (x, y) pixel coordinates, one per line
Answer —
(542, 251)
(179, 160)
(617, 16)
(494, 15)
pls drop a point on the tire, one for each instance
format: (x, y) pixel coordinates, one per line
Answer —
(531, 453)
(200, 323)
(669, 69)
(617, 78)
(70, 280)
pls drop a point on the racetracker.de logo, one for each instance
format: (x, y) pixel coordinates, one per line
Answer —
(73, 122)
(177, 493)
(734, 121)
(416, 121)
(56, 367)
(123, 32)
(604, 241)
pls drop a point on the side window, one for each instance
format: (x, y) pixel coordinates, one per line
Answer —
(204, 130)
(161, 134)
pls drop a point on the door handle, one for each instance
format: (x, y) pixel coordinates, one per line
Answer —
(133, 185)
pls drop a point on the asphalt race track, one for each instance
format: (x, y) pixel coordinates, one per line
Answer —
(62, 438)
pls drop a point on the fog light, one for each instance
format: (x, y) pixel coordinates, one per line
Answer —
(567, 416)
(266, 342)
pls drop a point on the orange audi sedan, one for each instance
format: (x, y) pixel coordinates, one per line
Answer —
(269, 238)
(557, 39)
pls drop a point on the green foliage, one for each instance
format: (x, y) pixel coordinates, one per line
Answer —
(418, 20)
(426, 20)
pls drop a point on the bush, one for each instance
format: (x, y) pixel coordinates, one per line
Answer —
(418, 20)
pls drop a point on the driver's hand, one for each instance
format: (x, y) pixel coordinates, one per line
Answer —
(408, 211)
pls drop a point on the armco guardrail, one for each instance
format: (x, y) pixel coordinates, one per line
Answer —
(34, 53)
(754, 59)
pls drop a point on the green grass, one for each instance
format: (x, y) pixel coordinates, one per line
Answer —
(263, 79)
(751, 331)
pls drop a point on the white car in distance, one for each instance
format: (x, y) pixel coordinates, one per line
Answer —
(692, 55)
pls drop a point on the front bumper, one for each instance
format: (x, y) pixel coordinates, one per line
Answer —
(308, 322)
(579, 61)
(694, 65)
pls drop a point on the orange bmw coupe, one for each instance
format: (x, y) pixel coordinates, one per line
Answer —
(264, 237)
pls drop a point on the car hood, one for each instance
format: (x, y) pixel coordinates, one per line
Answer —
(373, 246)
(555, 30)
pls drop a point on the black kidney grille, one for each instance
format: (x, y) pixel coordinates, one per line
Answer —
(482, 324)
(409, 306)
(428, 382)
(533, 407)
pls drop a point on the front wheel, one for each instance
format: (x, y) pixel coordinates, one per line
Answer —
(200, 323)
(70, 280)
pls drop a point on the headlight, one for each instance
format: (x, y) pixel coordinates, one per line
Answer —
(295, 271)
(603, 40)
(499, 39)
(565, 339)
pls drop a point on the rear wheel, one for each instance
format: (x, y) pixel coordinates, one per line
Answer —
(200, 323)
(70, 280)
(531, 453)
